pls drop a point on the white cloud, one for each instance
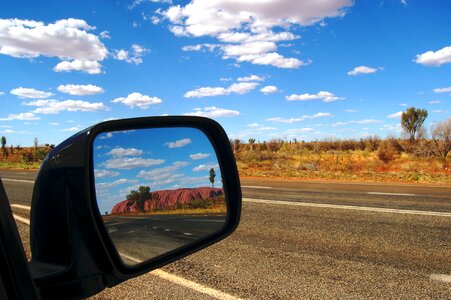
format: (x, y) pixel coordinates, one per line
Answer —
(166, 174)
(2, 93)
(119, 152)
(66, 39)
(21, 117)
(362, 70)
(246, 28)
(30, 93)
(206, 92)
(435, 102)
(134, 56)
(322, 95)
(105, 35)
(109, 185)
(295, 131)
(12, 131)
(250, 78)
(269, 89)
(55, 106)
(253, 125)
(300, 119)
(235, 88)
(72, 129)
(435, 59)
(199, 156)
(201, 18)
(138, 100)
(396, 115)
(105, 173)
(351, 110)
(242, 87)
(442, 90)
(339, 124)
(201, 47)
(367, 121)
(80, 90)
(87, 66)
(213, 112)
(107, 135)
(178, 144)
(127, 163)
(274, 59)
(263, 36)
(205, 167)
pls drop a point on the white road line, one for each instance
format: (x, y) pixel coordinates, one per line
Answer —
(390, 194)
(187, 233)
(21, 206)
(441, 277)
(351, 207)
(256, 187)
(170, 277)
(186, 283)
(20, 219)
(18, 180)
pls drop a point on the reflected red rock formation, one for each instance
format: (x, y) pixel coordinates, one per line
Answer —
(167, 199)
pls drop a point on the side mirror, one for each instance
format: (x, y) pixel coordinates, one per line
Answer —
(124, 197)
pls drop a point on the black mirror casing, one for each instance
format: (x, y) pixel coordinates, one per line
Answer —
(73, 256)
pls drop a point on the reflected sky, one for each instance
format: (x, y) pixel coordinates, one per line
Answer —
(161, 158)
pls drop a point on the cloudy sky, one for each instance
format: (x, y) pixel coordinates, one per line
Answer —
(263, 69)
(175, 158)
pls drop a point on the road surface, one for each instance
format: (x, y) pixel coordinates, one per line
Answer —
(301, 240)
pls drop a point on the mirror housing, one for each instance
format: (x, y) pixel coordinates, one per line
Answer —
(72, 253)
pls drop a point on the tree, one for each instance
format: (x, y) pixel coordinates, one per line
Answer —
(441, 140)
(212, 177)
(412, 121)
(5, 153)
(144, 194)
(140, 196)
(251, 142)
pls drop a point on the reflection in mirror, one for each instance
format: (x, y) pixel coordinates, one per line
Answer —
(157, 190)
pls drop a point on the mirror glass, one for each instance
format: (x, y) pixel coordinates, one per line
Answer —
(157, 190)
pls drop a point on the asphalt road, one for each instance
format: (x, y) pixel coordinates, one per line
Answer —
(145, 237)
(308, 240)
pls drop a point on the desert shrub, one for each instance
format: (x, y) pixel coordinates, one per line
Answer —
(40, 153)
(309, 166)
(395, 144)
(275, 145)
(372, 143)
(26, 157)
(386, 152)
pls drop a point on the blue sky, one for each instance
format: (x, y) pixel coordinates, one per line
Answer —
(163, 158)
(263, 69)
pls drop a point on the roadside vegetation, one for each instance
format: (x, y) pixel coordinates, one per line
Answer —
(17, 157)
(415, 157)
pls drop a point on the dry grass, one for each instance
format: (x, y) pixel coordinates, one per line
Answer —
(298, 160)
(23, 158)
